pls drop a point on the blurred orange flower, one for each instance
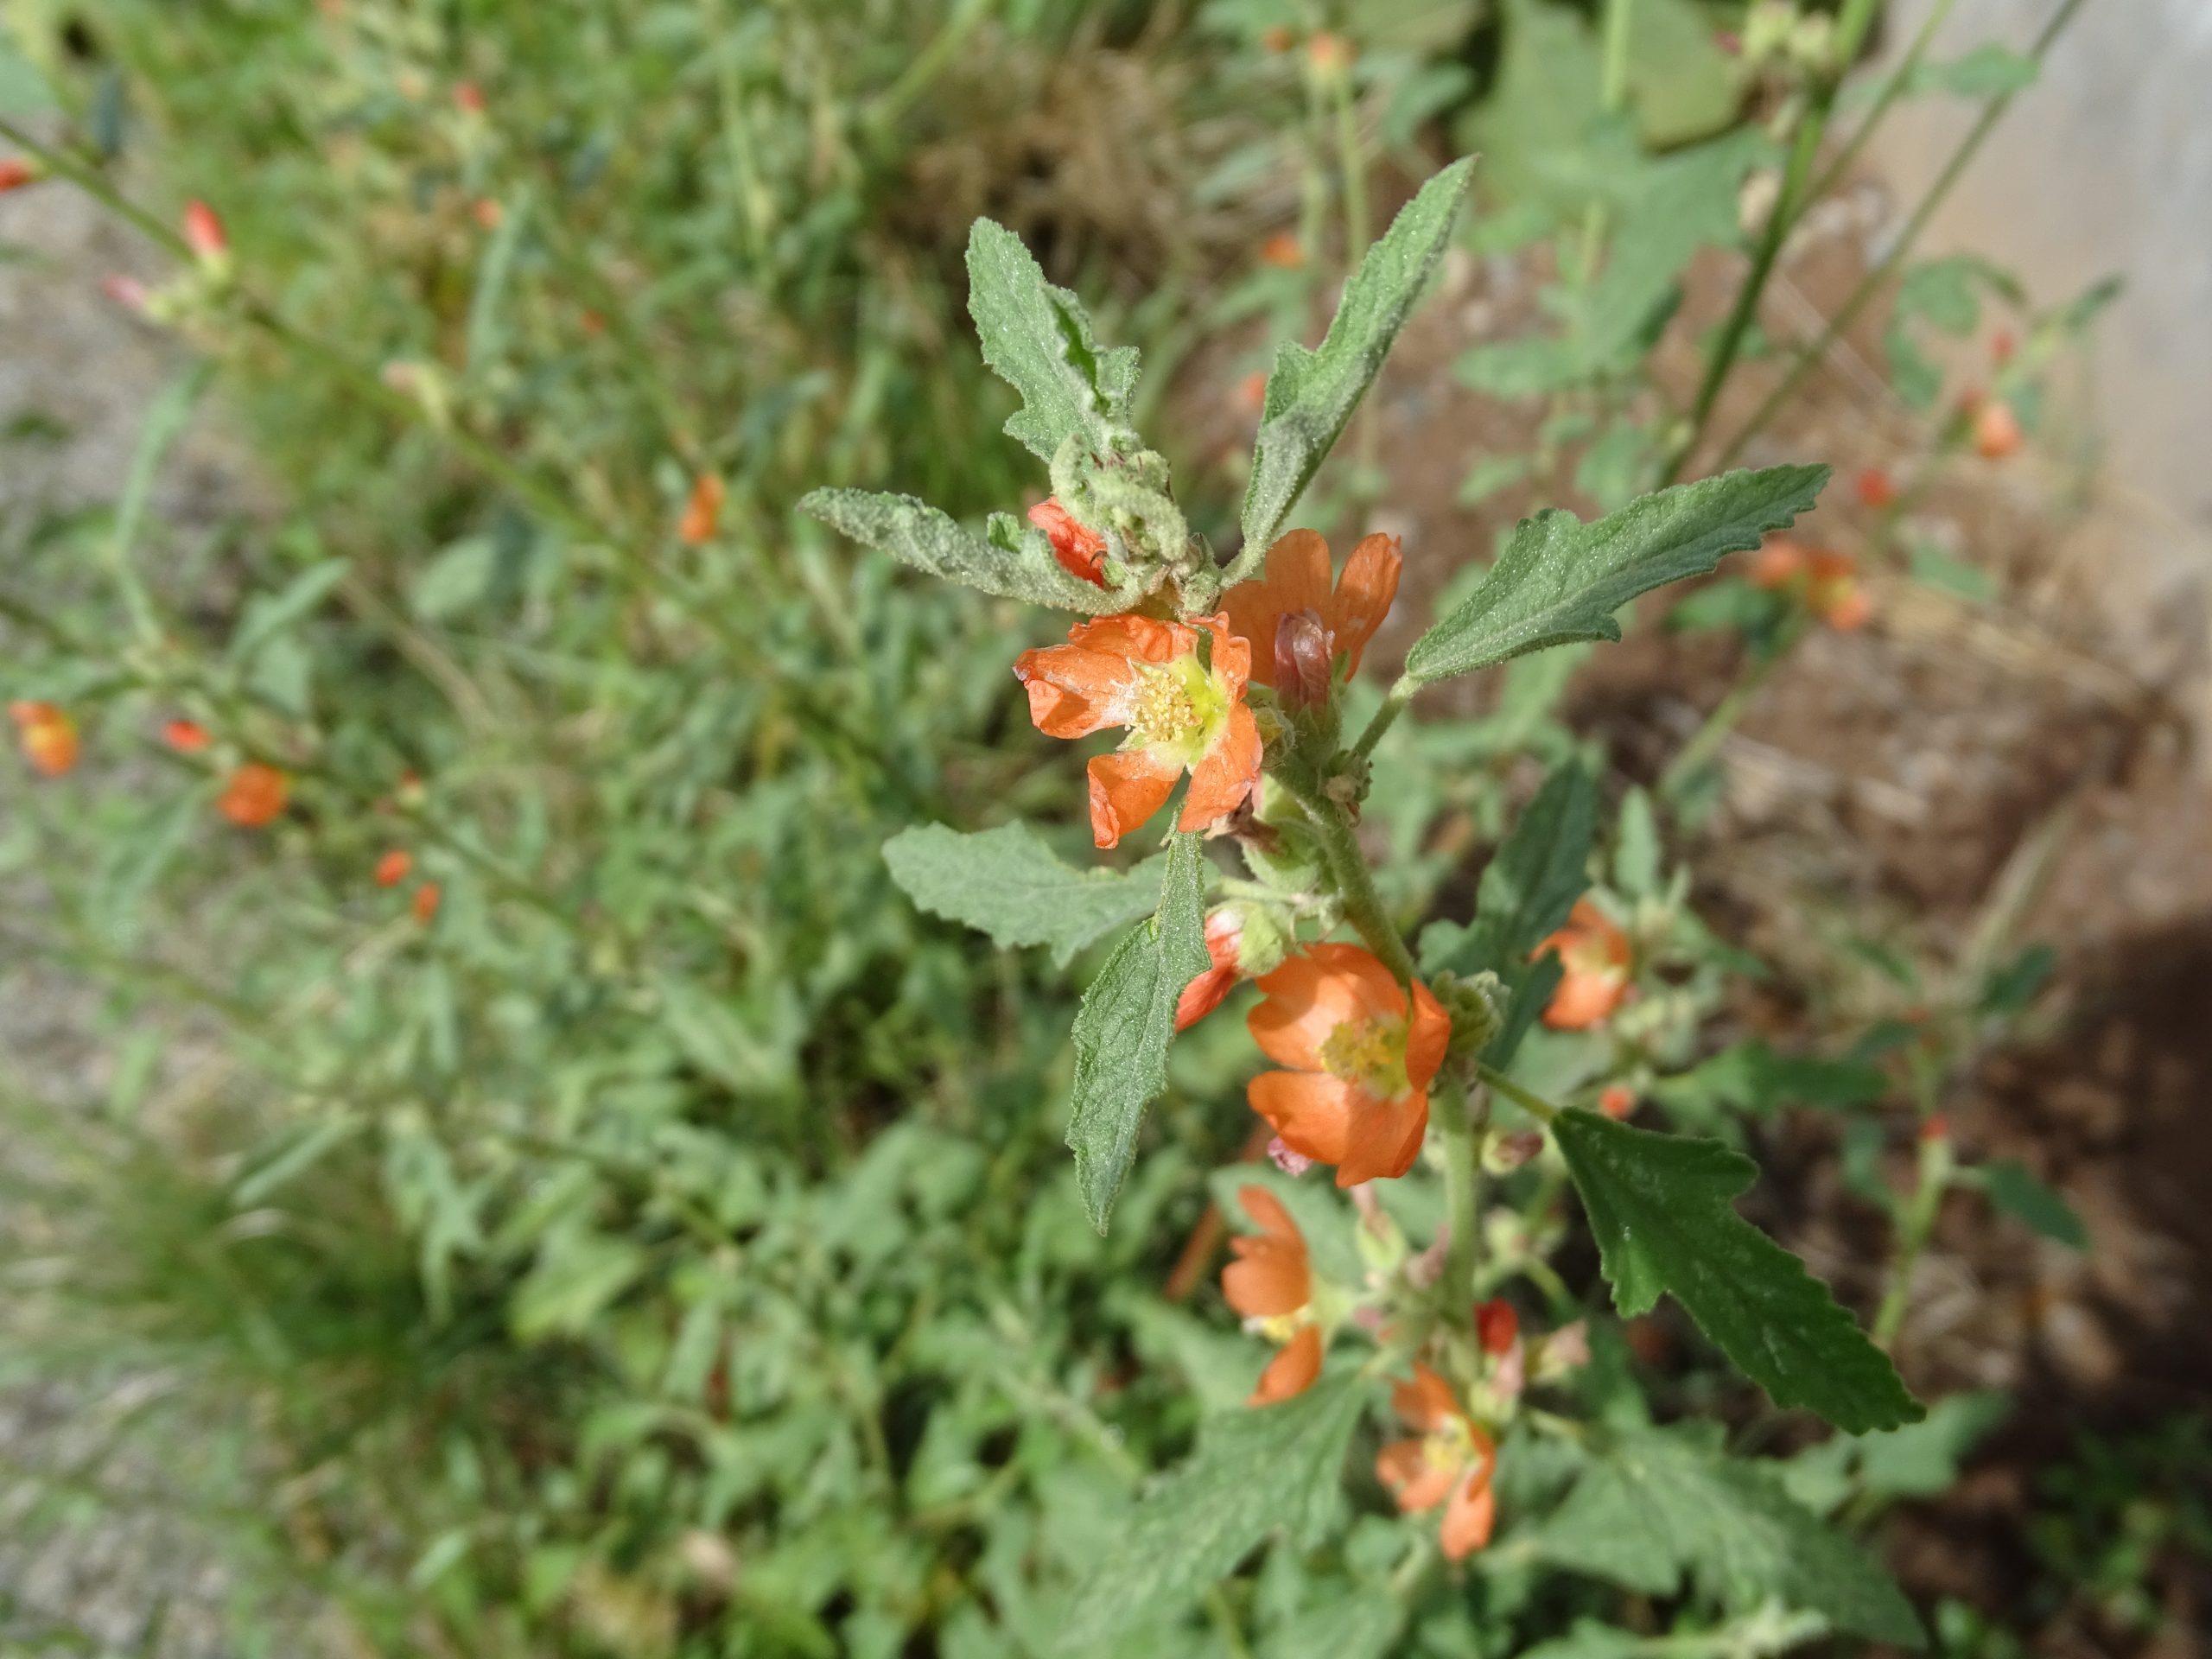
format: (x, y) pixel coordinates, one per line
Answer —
(204, 233)
(1497, 1324)
(1875, 489)
(1450, 1464)
(255, 795)
(1996, 429)
(1224, 933)
(15, 175)
(426, 902)
(1271, 1285)
(702, 512)
(185, 736)
(1283, 250)
(1617, 1100)
(1080, 549)
(1595, 955)
(1827, 582)
(1360, 1057)
(1296, 583)
(48, 737)
(1144, 674)
(392, 868)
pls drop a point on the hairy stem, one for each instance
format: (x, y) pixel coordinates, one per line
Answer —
(1919, 1225)
(1363, 906)
(1387, 716)
(1461, 1119)
(1529, 1102)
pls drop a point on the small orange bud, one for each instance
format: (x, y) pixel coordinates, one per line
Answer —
(702, 512)
(255, 796)
(1304, 660)
(488, 213)
(1875, 489)
(468, 97)
(1935, 1126)
(1080, 549)
(1329, 55)
(1996, 429)
(48, 736)
(204, 233)
(392, 868)
(1616, 1101)
(1497, 1324)
(1283, 250)
(185, 736)
(426, 903)
(15, 173)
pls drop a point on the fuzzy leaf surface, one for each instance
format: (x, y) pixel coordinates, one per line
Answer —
(1560, 579)
(1311, 394)
(1012, 565)
(1661, 1208)
(1125, 1024)
(1657, 1504)
(1273, 1467)
(1008, 883)
(1038, 338)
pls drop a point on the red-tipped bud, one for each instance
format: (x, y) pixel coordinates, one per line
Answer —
(1497, 1324)
(1616, 1101)
(204, 233)
(1935, 1126)
(1875, 489)
(1304, 660)
(1224, 933)
(1080, 549)
(185, 736)
(16, 172)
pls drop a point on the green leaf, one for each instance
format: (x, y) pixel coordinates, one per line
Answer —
(1124, 1025)
(1312, 393)
(1007, 883)
(1560, 579)
(1683, 85)
(1921, 1459)
(1038, 339)
(1752, 1077)
(270, 614)
(24, 88)
(1255, 1471)
(1988, 71)
(457, 579)
(2028, 1201)
(1636, 855)
(1657, 1504)
(1660, 1207)
(1010, 562)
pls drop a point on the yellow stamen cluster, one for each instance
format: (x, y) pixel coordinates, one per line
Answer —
(1166, 711)
(1369, 1052)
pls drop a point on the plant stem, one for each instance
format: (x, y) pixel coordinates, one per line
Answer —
(1387, 716)
(1460, 1119)
(1613, 94)
(1706, 742)
(1936, 1168)
(1367, 440)
(1535, 1105)
(1891, 88)
(1789, 205)
(1363, 906)
(1806, 356)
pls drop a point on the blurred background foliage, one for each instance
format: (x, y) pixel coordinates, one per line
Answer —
(669, 1246)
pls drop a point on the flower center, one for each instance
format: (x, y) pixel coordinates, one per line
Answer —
(1178, 708)
(1450, 1445)
(1370, 1053)
(1282, 1327)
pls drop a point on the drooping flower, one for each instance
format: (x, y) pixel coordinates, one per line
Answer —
(1271, 1284)
(425, 904)
(185, 736)
(1360, 1057)
(1595, 955)
(1296, 583)
(1080, 549)
(255, 795)
(392, 868)
(1224, 929)
(702, 512)
(1451, 1462)
(1182, 716)
(48, 737)
(1996, 429)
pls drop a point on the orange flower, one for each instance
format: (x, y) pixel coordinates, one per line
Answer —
(1875, 489)
(185, 736)
(204, 233)
(1497, 1324)
(1450, 1464)
(392, 868)
(1996, 429)
(1283, 250)
(1297, 582)
(1144, 674)
(426, 902)
(1080, 549)
(1595, 955)
(15, 175)
(1271, 1284)
(1224, 933)
(254, 795)
(702, 512)
(1617, 1100)
(1827, 583)
(48, 737)
(1361, 1060)
(1252, 391)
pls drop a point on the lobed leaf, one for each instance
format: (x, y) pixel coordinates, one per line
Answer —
(1038, 338)
(1125, 1024)
(1013, 566)
(1009, 884)
(1311, 394)
(1560, 579)
(1255, 1471)
(1658, 1504)
(1660, 1206)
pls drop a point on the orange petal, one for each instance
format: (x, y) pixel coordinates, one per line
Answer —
(1585, 1000)
(1469, 1516)
(1417, 1483)
(1427, 1037)
(1226, 773)
(1127, 787)
(1139, 639)
(1298, 572)
(1292, 1371)
(1384, 1139)
(1425, 1403)
(1314, 992)
(1267, 1211)
(1363, 593)
(1268, 1277)
(1203, 994)
(1311, 1110)
(1074, 692)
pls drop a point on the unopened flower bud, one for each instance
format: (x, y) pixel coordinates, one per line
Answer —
(1564, 1351)
(1291, 1163)
(1497, 1324)
(15, 173)
(205, 236)
(1303, 660)
(1477, 1004)
(1504, 1152)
